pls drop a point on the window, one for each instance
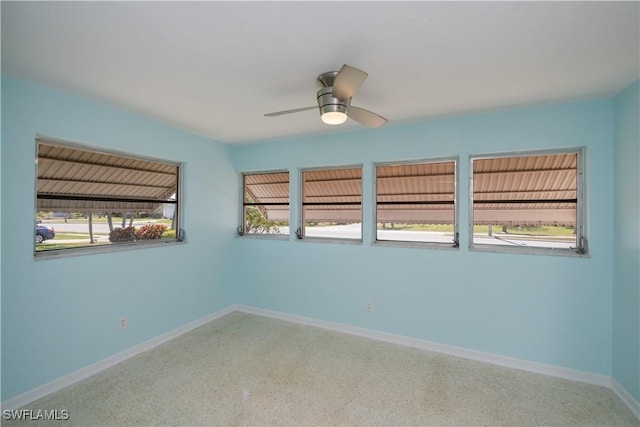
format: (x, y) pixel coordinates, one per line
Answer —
(416, 202)
(91, 200)
(265, 203)
(332, 203)
(529, 202)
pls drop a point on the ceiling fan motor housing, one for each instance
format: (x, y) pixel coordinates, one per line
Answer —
(328, 103)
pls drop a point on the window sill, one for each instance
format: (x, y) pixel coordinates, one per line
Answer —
(528, 251)
(414, 245)
(344, 241)
(88, 250)
(264, 236)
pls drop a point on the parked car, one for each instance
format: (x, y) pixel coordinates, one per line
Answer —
(44, 233)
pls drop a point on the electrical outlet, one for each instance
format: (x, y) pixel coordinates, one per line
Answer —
(123, 322)
(368, 306)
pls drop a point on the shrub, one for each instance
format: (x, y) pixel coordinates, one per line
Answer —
(150, 231)
(122, 235)
(168, 234)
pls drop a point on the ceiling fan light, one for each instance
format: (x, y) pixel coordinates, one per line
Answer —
(334, 117)
(332, 110)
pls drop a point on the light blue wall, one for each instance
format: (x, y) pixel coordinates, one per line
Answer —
(626, 249)
(548, 309)
(59, 315)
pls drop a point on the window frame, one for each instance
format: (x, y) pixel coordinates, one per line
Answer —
(581, 248)
(123, 246)
(241, 229)
(300, 230)
(455, 244)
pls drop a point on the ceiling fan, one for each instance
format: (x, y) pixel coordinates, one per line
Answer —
(334, 99)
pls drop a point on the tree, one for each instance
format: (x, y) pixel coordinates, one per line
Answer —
(91, 228)
(257, 223)
(110, 221)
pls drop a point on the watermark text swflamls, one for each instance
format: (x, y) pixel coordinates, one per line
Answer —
(36, 415)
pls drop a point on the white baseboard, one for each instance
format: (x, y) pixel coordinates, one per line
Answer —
(624, 395)
(494, 359)
(88, 371)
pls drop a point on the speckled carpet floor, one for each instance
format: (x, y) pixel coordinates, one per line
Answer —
(249, 370)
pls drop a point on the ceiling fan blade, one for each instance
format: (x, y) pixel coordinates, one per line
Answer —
(295, 110)
(366, 117)
(347, 82)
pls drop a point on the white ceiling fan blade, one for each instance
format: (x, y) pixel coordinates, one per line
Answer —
(366, 117)
(347, 82)
(295, 110)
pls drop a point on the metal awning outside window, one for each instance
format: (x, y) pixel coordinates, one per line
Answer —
(269, 193)
(523, 190)
(74, 179)
(526, 191)
(332, 195)
(421, 193)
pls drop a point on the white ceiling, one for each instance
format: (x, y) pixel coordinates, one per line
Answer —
(214, 68)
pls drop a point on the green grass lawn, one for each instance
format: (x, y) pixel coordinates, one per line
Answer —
(117, 221)
(51, 246)
(538, 231)
(419, 227)
(484, 229)
(69, 239)
(75, 236)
